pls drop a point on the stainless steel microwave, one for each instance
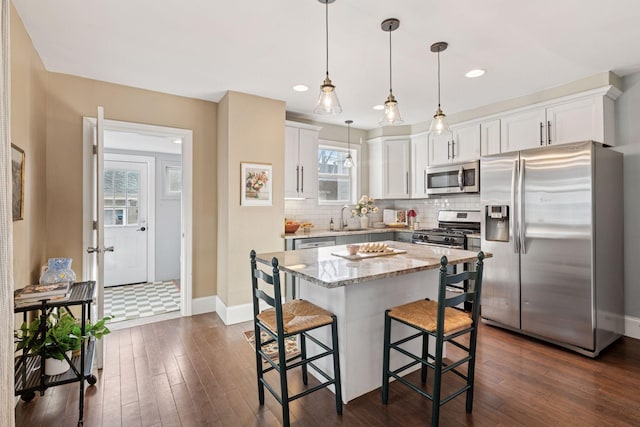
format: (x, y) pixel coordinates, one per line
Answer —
(454, 179)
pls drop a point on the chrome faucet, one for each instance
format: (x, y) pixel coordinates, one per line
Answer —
(343, 223)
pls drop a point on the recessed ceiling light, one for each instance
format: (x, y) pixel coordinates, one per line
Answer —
(301, 88)
(475, 73)
(177, 141)
(378, 107)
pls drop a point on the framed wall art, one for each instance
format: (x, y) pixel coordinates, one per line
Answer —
(17, 182)
(256, 185)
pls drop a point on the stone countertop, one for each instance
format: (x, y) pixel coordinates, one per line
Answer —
(301, 234)
(474, 236)
(320, 267)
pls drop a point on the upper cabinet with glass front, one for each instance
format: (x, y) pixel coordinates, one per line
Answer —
(300, 164)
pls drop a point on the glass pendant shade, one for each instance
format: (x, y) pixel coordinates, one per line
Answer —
(439, 124)
(348, 162)
(391, 114)
(327, 103)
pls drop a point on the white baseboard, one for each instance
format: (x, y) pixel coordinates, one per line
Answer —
(632, 327)
(204, 305)
(234, 314)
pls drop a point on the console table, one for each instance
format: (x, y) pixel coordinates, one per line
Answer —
(29, 367)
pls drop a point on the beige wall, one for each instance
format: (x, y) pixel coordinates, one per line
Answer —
(28, 131)
(70, 98)
(250, 129)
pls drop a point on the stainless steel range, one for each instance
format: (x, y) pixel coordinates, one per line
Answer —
(452, 231)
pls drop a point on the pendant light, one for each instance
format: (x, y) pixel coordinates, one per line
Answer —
(439, 123)
(348, 162)
(391, 114)
(328, 100)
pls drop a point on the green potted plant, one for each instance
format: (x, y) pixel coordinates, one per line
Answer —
(63, 335)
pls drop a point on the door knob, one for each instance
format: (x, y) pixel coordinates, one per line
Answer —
(108, 249)
(141, 229)
(91, 250)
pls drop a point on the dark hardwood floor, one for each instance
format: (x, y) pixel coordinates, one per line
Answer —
(198, 372)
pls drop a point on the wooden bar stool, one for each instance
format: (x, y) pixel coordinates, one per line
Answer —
(280, 321)
(445, 323)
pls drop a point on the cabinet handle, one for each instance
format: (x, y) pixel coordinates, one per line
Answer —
(302, 179)
(453, 148)
(549, 132)
(425, 181)
(448, 150)
(407, 182)
(541, 127)
(297, 179)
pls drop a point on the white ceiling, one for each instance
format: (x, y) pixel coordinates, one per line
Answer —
(202, 48)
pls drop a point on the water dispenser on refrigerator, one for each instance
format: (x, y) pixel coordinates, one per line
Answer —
(497, 223)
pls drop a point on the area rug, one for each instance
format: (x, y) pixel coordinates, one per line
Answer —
(271, 350)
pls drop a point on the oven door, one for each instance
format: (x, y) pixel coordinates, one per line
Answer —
(454, 179)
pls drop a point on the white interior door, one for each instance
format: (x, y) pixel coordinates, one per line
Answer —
(93, 216)
(126, 190)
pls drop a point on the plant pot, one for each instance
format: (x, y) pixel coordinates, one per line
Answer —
(56, 367)
(364, 221)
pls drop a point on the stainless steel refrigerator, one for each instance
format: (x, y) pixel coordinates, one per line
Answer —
(553, 219)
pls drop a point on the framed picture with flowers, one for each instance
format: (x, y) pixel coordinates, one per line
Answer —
(256, 186)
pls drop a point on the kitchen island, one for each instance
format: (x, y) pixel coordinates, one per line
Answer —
(358, 292)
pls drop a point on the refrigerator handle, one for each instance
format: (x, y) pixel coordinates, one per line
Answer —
(521, 228)
(514, 222)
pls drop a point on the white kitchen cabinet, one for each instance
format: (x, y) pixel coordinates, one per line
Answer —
(490, 137)
(563, 121)
(301, 161)
(574, 121)
(461, 145)
(419, 165)
(522, 130)
(389, 168)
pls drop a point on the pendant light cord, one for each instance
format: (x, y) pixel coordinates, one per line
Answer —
(326, 26)
(438, 78)
(390, 79)
(348, 139)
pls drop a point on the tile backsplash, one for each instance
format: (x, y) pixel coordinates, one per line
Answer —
(427, 210)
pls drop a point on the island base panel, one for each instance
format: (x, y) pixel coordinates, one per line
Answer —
(360, 312)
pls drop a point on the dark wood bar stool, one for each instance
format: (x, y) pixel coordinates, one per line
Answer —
(281, 321)
(441, 320)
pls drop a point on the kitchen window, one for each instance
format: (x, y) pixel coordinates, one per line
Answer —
(336, 184)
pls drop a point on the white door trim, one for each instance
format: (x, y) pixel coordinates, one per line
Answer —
(151, 205)
(88, 126)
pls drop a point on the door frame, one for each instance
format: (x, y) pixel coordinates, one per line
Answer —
(151, 204)
(186, 245)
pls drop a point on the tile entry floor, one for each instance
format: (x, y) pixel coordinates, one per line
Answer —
(128, 302)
